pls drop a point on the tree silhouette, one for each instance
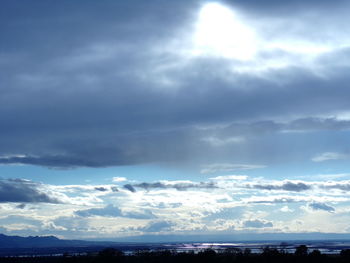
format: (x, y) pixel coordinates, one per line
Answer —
(301, 251)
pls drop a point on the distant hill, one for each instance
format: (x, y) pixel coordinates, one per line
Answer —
(40, 241)
(51, 245)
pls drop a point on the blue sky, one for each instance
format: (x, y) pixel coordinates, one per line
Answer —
(134, 118)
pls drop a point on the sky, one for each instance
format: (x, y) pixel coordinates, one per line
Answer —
(163, 118)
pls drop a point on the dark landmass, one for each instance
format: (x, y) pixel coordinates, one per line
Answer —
(301, 254)
(36, 241)
(53, 248)
(46, 245)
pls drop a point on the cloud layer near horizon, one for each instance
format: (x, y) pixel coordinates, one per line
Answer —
(231, 205)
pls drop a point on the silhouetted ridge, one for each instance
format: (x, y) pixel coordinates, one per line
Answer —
(37, 241)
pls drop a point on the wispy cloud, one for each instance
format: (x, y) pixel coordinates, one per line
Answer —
(228, 167)
(328, 156)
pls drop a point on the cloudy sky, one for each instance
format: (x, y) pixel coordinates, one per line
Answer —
(131, 118)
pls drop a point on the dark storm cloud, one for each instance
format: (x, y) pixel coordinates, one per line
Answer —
(23, 191)
(51, 161)
(88, 85)
(141, 148)
(286, 8)
(79, 22)
(309, 124)
(314, 124)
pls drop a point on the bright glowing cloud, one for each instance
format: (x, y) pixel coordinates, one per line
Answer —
(219, 32)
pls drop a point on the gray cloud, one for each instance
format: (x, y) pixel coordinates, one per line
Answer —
(315, 124)
(309, 124)
(286, 186)
(130, 188)
(321, 206)
(177, 186)
(277, 8)
(146, 214)
(101, 189)
(23, 191)
(106, 211)
(276, 200)
(145, 143)
(158, 226)
(106, 189)
(257, 224)
(113, 211)
(114, 189)
(227, 214)
(21, 206)
(61, 161)
(344, 186)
